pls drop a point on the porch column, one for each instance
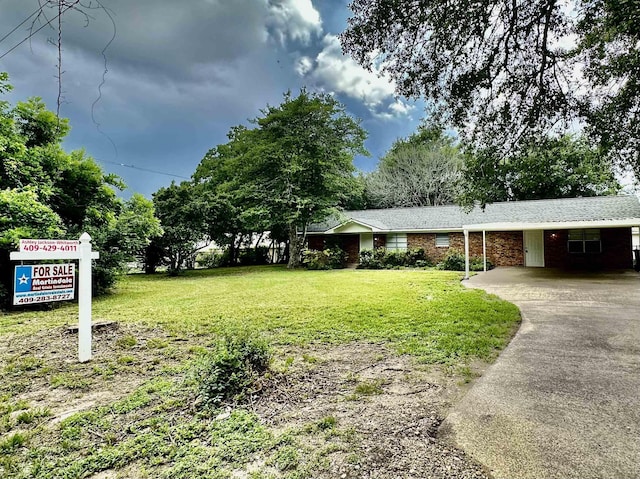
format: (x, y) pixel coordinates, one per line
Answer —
(484, 249)
(466, 254)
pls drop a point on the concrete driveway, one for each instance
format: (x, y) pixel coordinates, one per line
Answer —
(563, 399)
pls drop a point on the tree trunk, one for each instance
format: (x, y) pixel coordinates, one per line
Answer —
(295, 248)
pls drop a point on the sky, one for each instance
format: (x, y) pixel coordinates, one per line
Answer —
(180, 74)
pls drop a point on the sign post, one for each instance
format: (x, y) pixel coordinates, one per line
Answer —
(46, 282)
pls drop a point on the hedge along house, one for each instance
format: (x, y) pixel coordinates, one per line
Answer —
(573, 233)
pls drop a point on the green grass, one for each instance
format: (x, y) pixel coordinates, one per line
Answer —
(425, 313)
(158, 431)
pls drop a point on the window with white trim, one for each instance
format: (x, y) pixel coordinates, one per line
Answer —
(397, 242)
(584, 241)
(442, 240)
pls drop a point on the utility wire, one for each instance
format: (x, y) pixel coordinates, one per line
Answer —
(145, 169)
(23, 22)
(34, 32)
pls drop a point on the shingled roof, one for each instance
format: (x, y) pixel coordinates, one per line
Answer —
(593, 209)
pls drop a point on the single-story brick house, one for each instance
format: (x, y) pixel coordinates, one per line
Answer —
(589, 233)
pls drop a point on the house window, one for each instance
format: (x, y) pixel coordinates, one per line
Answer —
(442, 240)
(397, 242)
(584, 241)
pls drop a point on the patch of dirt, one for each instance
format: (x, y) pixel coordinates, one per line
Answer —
(393, 404)
(396, 415)
(43, 370)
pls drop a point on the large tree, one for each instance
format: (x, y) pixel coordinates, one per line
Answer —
(293, 168)
(422, 170)
(46, 192)
(566, 167)
(505, 71)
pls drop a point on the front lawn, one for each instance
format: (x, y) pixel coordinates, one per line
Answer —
(336, 403)
(425, 313)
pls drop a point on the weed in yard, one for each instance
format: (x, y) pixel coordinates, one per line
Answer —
(369, 388)
(126, 360)
(157, 343)
(12, 442)
(229, 371)
(309, 359)
(286, 458)
(70, 381)
(126, 342)
(31, 415)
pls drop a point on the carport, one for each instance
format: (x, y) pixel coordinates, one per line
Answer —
(537, 235)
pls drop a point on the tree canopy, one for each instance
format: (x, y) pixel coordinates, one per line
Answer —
(421, 170)
(46, 192)
(294, 167)
(503, 72)
(566, 167)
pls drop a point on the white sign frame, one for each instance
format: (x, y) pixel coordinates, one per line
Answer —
(84, 254)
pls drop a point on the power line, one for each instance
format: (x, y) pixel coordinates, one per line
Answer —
(145, 169)
(34, 32)
(23, 22)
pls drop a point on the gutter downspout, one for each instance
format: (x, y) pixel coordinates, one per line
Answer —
(466, 254)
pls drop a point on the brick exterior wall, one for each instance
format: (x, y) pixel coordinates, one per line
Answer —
(616, 251)
(504, 248)
(350, 243)
(315, 242)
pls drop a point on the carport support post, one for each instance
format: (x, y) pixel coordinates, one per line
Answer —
(484, 249)
(466, 254)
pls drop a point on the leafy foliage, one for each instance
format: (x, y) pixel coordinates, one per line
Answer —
(295, 167)
(46, 192)
(505, 72)
(454, 261)
(382, 258)
(566, 167)
(182, 213)
(422, 170)
(329, 258)
(229, 372)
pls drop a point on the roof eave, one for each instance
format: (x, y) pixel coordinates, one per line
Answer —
(558, 225)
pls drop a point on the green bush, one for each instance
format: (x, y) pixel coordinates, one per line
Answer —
(209, 259)
(454, 261)
(229, 372)
(381, 258)
(330, 258)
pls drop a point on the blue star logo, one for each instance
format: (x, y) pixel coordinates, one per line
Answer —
(23, 279)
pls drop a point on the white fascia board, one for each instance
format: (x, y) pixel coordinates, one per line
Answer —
(561, 225)
(332, 230)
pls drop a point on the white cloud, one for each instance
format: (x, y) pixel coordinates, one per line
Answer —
(303, 66)
(341, 74)
(297, 20)
(401, 108)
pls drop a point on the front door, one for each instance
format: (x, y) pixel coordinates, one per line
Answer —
(534, 248)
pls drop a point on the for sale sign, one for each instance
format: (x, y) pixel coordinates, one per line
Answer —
(42, 283)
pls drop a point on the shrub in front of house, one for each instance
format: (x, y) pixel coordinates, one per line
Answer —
(454, 261)
(381, 258)
(329, 258)
(208, 259)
